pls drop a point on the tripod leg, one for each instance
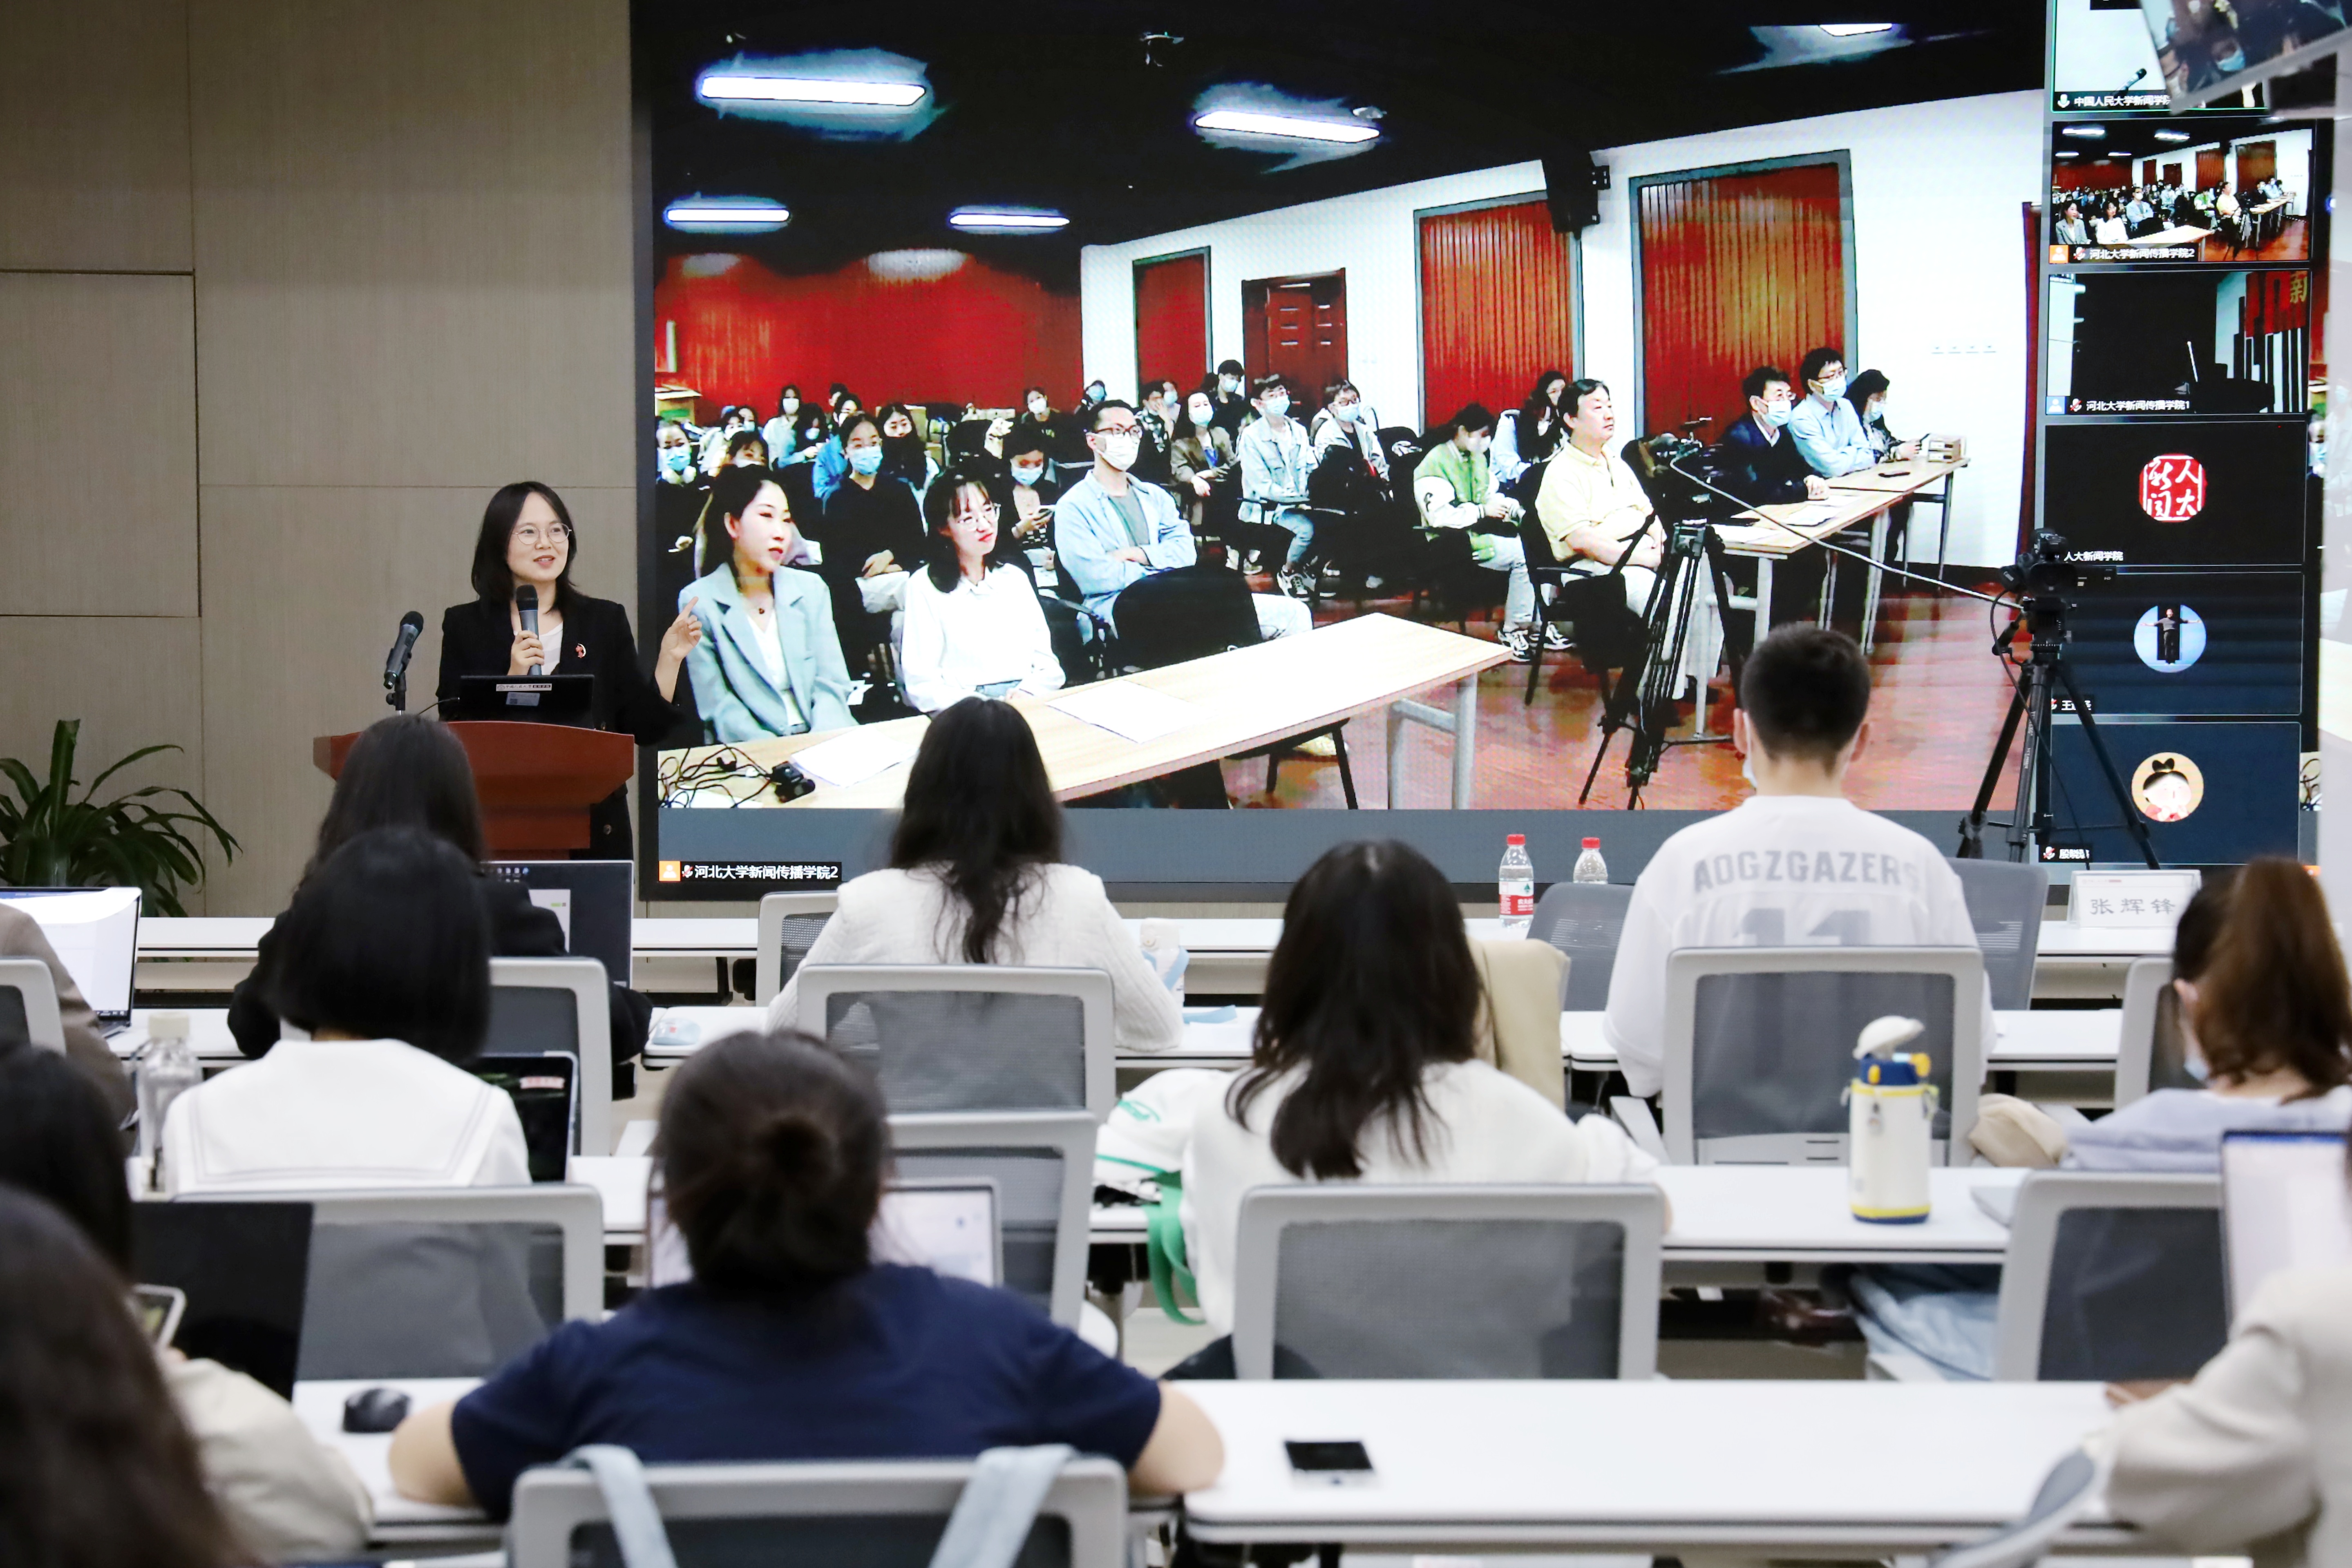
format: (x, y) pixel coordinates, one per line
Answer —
(1972, 825)
(2132, 819)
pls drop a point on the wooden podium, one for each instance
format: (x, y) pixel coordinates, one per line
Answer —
(535, 781)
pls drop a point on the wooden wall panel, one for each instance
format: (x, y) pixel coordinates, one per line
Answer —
(413, 247)
(304, 589)
(98, 440)
(1498, 307)
(94, 136)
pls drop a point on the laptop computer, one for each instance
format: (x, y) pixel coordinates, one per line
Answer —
(244, 1267)
(950, 1225)
(95, 931)
(2285, 1204)
(595, 900)
(545, 1090)
(531, 698)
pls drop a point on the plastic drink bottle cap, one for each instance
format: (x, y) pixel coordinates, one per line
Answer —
(1593, 843)
(1515, 838)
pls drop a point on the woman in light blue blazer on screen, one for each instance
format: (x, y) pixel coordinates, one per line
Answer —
(769, 664)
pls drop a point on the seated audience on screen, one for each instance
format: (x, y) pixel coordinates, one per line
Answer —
(973, 624)
(21, 936)
(791, 1342)
(1868, 396)
(976, 877)
(2139, 217)
(384, 960)
(1038, 417)
(797, 431)
(285, 1496)
(1828, 431)
(1200, 457)
(1757, 460)
(2072, 229)
(1275, 461)
(1112, 530)
(1347, 420)
(2110, 229)
(1365, 1066)
(1532, 434)
(905, 457)
(1454, 490)
(769, 662)
(408, 771)
(745, 449)
(1030, 516)
(1158, 417)
(1797, 857)
(1595, 514)
(96, 1465)
(673, 455)
(1232, 398)
(733, 420)
(832, 461)
(2255, 1455)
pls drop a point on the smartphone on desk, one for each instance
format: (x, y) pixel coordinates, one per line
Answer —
(1893, 473)
(1329, 1463)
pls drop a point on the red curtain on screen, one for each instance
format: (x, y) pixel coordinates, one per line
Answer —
(1172, 320)
(2091, 176)
(2275, 302)
(1496, 306)
(931, 327)
(1737, 270)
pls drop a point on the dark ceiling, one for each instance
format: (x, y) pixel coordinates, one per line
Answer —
(2138, 139)
(1051, 103)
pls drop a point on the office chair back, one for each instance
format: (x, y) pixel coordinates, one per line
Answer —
(1358, 1282)
(1760, 1045)
(29, 1004)
(2111, 1277)
(875, 1513)
(789, 924)
(560, 1007)
(1042, 1165)
(2005, 902)
(2152, 1051)
(1584, 920)
(443, 1282)
(969, 1037)
(1190, 613)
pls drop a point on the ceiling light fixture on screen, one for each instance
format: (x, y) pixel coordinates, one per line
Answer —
(1855, 30)
(751, 87)
(1294, 127)
(2172, 136)
(2066, 152)
(2088, 132)
(727, 215)
(1006, 220)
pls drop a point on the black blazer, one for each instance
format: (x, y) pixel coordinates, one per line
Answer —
(476, 637)
(518, 929)
(1759, 472)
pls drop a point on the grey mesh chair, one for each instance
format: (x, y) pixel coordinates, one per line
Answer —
(866, 1514)
(442, 1282)
(1584, 921)
(1760, 1045)
(2111, 1277)
(2150, 1050)
(29, 1004)
(560, 1007)
(969, 1037)
(2005, 903)
(1445, 1281)
(1044, 1167)
(789, 924)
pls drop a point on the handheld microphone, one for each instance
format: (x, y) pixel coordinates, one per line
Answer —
(395, 664)
(527, 601)
(2135, 79)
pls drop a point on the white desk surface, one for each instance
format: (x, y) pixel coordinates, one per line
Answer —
(620, 1180)
(1874, 1466)
(321, 1406)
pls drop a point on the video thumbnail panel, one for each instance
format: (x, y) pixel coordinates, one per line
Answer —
(2206, 342)
(2102, 57)
(2200, 188)
(2178, 493)
(2211, 794)
(2190, 644)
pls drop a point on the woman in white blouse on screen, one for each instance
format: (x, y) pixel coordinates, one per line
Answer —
(973, 626)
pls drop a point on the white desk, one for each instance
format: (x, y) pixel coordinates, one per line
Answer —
(398, 1520)
(1802, 1469)
(2051, 1039)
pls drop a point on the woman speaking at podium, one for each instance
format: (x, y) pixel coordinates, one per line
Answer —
(527, 541)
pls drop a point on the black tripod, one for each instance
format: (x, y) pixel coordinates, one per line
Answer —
(2033, 820)
(1647, 688)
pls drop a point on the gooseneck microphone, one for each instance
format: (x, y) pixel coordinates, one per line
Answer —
(527, 601)
(395, 664)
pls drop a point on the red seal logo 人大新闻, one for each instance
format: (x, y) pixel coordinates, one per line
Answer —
(2172, 487)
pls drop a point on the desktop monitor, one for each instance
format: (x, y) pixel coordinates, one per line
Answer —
(2286, 1202)
(244, 1267)
(596, 901)
(95, 934)
(951, 1225)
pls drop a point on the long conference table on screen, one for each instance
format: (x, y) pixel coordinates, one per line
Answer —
(1240, 699)
(1869, 496)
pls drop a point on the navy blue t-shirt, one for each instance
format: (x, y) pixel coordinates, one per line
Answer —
(893, 1363)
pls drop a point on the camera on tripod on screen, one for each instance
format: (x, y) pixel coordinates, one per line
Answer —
(2045, 569)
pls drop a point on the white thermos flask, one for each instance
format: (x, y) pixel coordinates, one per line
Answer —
(1892, 1117)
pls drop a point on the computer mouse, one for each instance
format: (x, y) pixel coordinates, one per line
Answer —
(374, 1410)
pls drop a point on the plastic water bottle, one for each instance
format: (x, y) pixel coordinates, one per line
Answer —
(1590, 866)
(1515, 886)
(167, 1070)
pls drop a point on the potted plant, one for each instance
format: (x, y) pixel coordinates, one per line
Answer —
(49, 837)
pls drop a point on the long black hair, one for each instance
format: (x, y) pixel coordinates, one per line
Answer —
(940, 504)
(1371, 985)
(1536, 444)
(58, 1142)
(404, 771)
(979, 811)
(493, 583)
(732, 491)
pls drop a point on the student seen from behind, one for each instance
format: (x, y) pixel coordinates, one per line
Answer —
(791, 1342)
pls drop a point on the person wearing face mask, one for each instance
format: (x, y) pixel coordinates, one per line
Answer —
(1756, 460)
(1868, 395)
(1158, 416)
(1275, 461)
(1827, 429)
(1037, 416)
(1231, 398)
(1453, 487)
(872, 535)
(673, 455)
(903, 454)
(745, 449)
(798, 429)
(1112, 530)
(1347, 420)
(832, 459)
(1030, 513)
(1200, 457)
(768, 662)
